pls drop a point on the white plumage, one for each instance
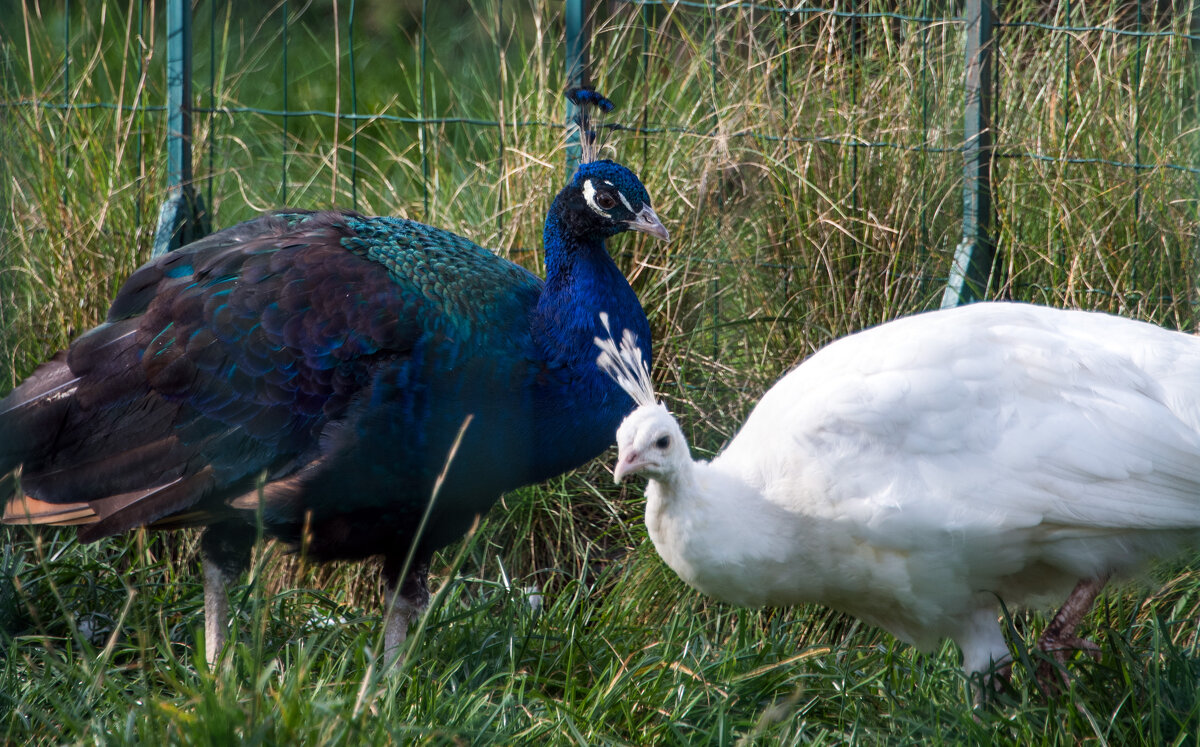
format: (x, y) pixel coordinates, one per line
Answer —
(917, 473)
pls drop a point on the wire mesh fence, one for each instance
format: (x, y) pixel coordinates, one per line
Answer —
(808, 159)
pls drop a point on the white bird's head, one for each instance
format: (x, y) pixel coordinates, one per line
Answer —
(650, 442)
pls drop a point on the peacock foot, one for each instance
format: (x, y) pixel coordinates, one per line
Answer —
(1052, 674)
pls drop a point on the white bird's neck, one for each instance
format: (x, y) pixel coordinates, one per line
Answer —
(722, 536)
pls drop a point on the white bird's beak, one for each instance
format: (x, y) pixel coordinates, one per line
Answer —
(627, 464)
(647, 222)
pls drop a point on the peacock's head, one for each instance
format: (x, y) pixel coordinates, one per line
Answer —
(650, 442)
(604, 199)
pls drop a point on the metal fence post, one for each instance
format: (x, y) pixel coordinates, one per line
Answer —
(975, 256)
(1194, 110)
(182, 217)
(576, 64)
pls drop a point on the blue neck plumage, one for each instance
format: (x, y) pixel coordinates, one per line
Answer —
(582, 281)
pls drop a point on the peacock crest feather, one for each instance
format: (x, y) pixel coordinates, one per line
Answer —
(591, 108)
(625, 365)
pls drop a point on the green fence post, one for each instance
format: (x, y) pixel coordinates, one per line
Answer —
(182, 217)
(576, 64)
(975, 257)
(1193, 90)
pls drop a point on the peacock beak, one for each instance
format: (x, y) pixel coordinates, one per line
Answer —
(627, 464)
(647, 222)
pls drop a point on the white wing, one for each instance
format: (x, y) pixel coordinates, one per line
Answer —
(995, 417)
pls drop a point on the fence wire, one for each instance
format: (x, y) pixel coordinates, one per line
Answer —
(809, 157)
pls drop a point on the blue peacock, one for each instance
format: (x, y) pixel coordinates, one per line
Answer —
(319, 370)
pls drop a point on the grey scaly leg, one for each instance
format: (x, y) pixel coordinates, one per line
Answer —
(1059, 638)
(216, 610)
(403, 604)
(224, 555)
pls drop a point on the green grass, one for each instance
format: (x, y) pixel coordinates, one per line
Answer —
(780, 243)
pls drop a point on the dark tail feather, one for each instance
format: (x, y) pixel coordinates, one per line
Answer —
(32, 415)
(125, 465)
(120, 513)
(8, 485)
(85, 424)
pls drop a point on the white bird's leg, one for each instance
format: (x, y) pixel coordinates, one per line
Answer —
(986, 658)
(1059, 638)
(404, 603)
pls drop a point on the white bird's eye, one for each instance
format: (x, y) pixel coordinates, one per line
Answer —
(606, 201)
(662, 443)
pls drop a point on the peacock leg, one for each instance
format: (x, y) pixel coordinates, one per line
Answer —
(987, 660)
(1059, 638)
(224, 556)
(404, 604)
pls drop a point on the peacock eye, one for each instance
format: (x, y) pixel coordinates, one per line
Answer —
(662, 443)
(606, 201)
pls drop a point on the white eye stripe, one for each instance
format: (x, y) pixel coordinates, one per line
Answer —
(589, 195)
(626, 202)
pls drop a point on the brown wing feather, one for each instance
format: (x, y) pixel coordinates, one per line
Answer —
(22, 509)
(120, 513)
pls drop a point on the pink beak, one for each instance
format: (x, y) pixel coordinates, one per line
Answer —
(627, 464)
